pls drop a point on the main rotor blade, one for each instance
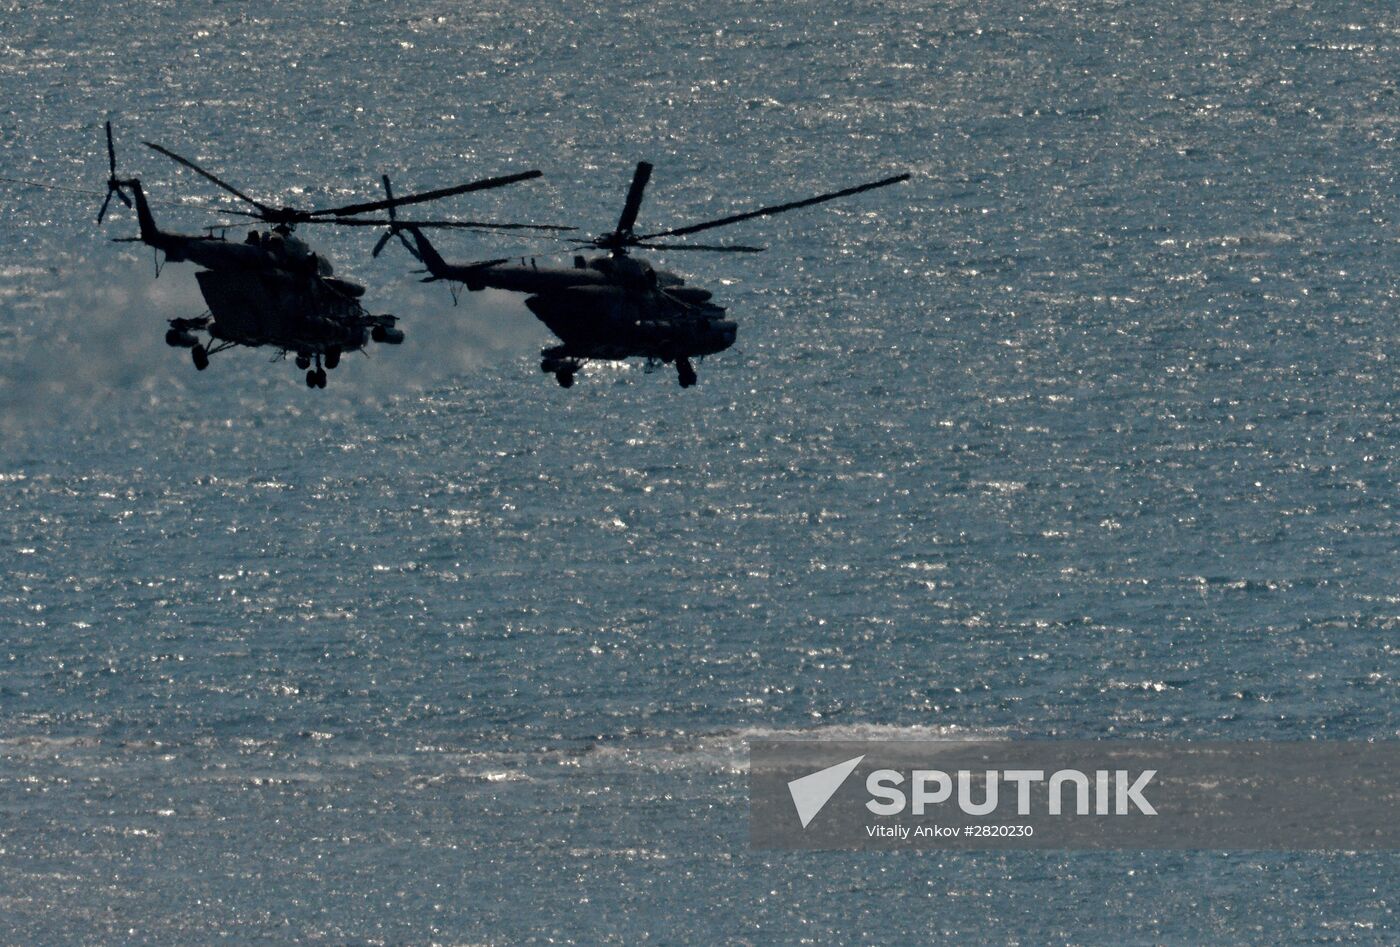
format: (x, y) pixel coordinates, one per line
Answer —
(401, 225)
(777, 208)
(200, 171)
(494, 225)
(237, 213)
(725, 248)
(106, 201)
(484, 184)
(640, 177)
(444, 224)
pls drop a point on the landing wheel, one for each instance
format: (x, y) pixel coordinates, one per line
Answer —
(201, 358)
(316, 378)
(311, 379)
(303, 362)
(565, 379)
(685, 373)
(332, 358)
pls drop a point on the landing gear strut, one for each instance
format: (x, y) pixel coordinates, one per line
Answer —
(181, 335)
(685, 373)
(563, 369)
(316, 378)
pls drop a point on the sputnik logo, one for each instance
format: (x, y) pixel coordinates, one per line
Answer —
(810, 793)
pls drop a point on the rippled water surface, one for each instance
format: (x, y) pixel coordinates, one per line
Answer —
(1087, 431)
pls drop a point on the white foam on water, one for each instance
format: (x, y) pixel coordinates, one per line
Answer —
(727, 750)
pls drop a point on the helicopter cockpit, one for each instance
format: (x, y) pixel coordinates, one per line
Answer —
(626, 270)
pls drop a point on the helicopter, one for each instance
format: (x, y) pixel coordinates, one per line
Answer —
(617, 306)
(272, 289)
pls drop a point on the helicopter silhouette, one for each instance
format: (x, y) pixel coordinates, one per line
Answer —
(272, 289)
(618, 306)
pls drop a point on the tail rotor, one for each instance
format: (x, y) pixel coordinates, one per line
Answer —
(114, 186)
(394, 229)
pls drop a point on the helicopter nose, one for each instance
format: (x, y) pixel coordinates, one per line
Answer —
(728, 331)
(545, 307)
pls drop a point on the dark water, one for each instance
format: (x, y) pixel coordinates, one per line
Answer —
(1088, 431)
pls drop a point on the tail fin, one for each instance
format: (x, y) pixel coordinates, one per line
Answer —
(439, 269)
(437, 266)
(150, 233)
